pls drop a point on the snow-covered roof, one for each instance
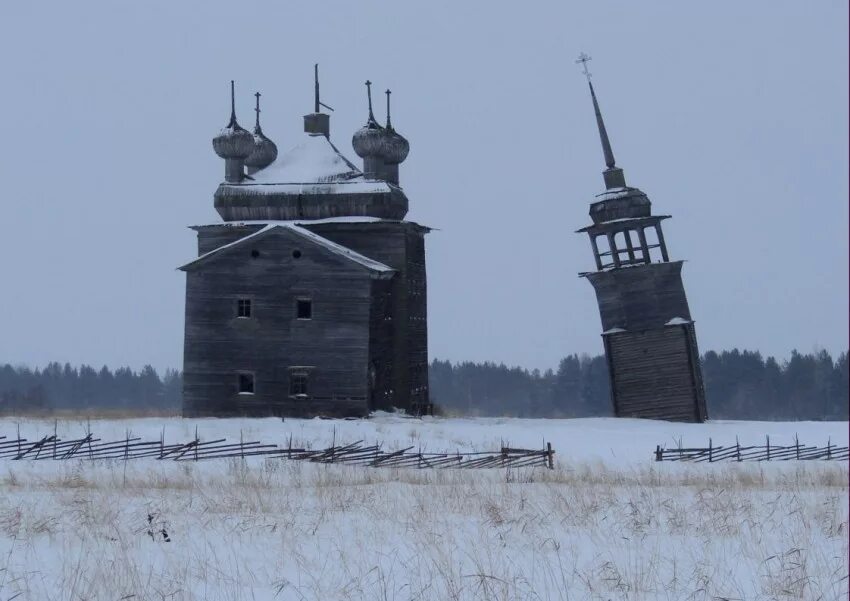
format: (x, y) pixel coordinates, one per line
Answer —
(314, 160)
(359, 185)
(337, 249)
(678, 321)
(315, 166)
(614, 193)
(613, 331)
(343, 219)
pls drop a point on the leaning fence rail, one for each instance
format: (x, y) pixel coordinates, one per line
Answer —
(357, 453)
(766, 452)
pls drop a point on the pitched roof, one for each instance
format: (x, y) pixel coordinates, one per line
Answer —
(315, 166)
(314, 160)
(377, 268)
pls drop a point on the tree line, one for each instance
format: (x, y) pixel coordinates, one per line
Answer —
(739, 385)
(63, 387)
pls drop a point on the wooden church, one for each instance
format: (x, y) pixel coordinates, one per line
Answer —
(648, 333)
(309, 298)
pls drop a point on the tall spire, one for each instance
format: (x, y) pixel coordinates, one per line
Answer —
(613, 175)
(316, 102)
(232, 105)
(389, 123)
(369, 94)
(257, 128)
(603, 133)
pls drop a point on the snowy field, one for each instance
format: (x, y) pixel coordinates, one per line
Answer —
(607, 523)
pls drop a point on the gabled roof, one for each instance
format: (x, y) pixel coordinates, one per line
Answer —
(378, 269)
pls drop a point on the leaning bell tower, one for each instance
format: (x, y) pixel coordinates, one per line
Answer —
(648, 333)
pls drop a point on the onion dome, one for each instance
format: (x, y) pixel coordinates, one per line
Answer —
(396, 146)
(233, 142)
(370, 140)
(264, 150)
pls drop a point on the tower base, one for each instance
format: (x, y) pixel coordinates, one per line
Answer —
(655, 373)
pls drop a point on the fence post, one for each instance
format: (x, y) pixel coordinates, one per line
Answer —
(551, 455)
(737, 448)
(54, 438)
(709, 451)
(658, 452)
(829, 448)
(196, 443)
(768, 446)
(797, 446)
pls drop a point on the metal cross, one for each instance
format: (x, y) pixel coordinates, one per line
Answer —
(583, 59)
(257, 94)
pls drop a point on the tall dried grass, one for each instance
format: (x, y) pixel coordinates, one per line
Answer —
(285, 530)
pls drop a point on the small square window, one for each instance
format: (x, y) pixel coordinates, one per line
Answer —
(243, 307)
(304, 308)
(297, 384)
(246, 383)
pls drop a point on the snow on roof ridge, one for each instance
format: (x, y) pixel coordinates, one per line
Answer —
(335, 248)
(338, 248)
(340, 219)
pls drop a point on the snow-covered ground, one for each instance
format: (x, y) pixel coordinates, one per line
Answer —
(607, 523)
(609, 440)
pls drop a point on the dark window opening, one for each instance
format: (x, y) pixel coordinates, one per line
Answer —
(246, 383)
(297, 384)
(255, 253)
(243, 307)
(296, 254)
(304, 308)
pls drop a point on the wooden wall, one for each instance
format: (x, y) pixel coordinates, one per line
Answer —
(335, 342)
(640, 297)
(400, 245)
(655, 374)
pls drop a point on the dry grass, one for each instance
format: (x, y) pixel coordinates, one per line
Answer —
(287, 530)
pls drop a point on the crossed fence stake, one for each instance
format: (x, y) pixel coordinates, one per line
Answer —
(357, 453)
(766, 452)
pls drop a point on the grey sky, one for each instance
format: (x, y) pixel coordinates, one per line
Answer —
(731, 116)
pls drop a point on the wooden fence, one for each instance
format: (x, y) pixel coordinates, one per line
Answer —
(766, 452)
(358, 453)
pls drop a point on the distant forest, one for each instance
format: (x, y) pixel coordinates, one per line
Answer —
(739, 385)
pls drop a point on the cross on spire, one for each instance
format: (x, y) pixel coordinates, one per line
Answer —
(257, 110)
(584, 59)
(389, 123)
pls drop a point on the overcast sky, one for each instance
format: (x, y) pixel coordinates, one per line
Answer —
(731, 116)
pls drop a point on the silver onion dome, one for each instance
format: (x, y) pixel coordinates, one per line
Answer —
(396, 147)
(370, 140)
(233, 142)
(264, 153)
(264, 150)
